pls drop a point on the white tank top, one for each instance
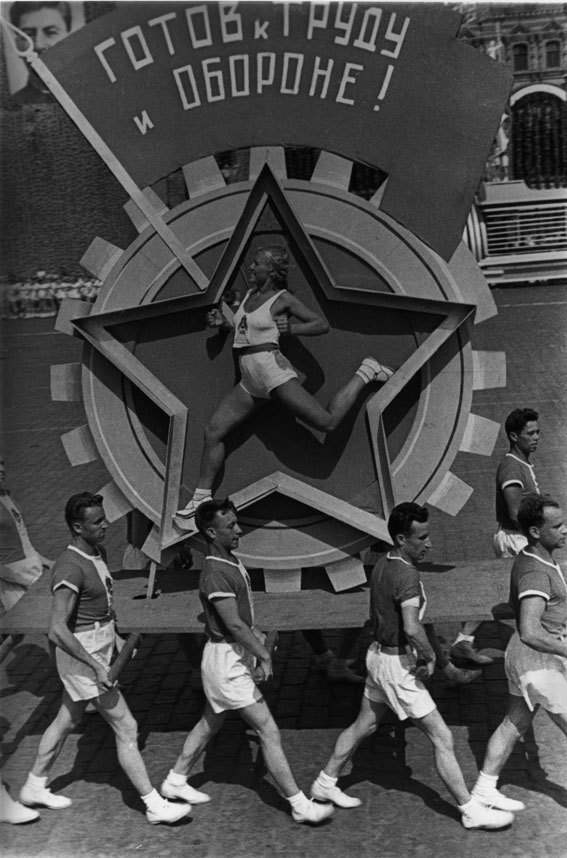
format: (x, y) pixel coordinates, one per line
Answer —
(258, 327)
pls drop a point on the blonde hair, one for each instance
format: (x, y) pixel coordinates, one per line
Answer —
(279, 260)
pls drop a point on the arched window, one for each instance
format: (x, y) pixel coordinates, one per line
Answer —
(552, 55)
(521, 57)
(539, 150)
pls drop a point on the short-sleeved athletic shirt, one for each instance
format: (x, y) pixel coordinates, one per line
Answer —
(221, 579)
(88, 577)
(512, 471)
(394, 581)
(533, 576)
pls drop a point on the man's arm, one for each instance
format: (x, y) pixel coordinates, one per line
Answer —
(228, 612)
(417, 636)
(64, 600)
(306, 322)
(512, 497)
(531, 630)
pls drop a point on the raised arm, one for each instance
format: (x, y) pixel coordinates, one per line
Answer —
(293, 318)
(217, 318)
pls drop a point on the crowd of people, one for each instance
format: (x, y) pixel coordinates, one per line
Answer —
(40, 296)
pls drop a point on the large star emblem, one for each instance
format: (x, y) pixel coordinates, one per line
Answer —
(97, 329)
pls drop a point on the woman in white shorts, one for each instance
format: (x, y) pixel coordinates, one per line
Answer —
(267, 311)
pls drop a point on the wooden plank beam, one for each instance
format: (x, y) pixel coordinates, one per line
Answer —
(463, 591)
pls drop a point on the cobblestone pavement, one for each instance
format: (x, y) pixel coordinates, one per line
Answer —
(406, 810)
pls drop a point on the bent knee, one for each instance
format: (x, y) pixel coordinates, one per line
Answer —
(127, 732)
(518, 725)
(269, 732)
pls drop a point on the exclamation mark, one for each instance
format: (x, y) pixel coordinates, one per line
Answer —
(385, 85)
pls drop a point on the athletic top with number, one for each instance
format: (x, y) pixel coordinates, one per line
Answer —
(90, 579)
(257, 328)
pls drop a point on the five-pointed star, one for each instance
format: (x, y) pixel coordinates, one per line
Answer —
(97, 330)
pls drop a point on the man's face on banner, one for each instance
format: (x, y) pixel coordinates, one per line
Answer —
(45, 27)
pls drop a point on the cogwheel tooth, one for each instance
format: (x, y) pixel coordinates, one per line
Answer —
(272, 155)
(480, 435)
(137, 217)
(376, 198)
(65, 382)
(332, 170)
(69, 309)
(100, 257)
(203, 176)
(282, 580)
(451, 494)
(471, 283)
(116, 504)
(489, 369)
(346, 573)
(80, 446)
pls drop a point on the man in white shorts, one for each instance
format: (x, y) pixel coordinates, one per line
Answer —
(536, 656)
(396, 662)
(82, 629)
(234, 659)
(515, 477)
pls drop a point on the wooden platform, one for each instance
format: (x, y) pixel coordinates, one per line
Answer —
(472, 591)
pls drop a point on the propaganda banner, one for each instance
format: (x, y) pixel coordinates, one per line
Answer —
(390, 86)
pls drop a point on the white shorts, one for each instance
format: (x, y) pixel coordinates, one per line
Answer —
(389, 681)
(227, 678)
(508, 543)
(261, 372)
(539, 677)
(78, 678)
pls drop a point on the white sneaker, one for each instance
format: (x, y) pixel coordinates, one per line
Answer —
(479, 816)
(491, 797)
(167, 812)
(334, 794)
(378, 371)
(184, 792)
(312, 812)
(14, 812)
(191, 508)
(32, 795)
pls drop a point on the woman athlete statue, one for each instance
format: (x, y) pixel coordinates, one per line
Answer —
(267, 311)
